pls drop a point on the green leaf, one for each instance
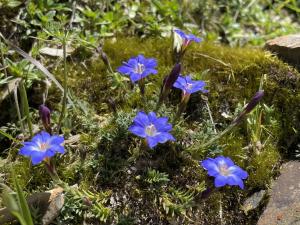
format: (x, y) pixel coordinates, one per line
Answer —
(7, 135)
(13, 3)
(8, 199)
(23, 205)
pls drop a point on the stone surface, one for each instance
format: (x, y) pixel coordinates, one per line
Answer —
(253, 201)
(49, 204)
(56, 202)
(284, 205)
(287, 48)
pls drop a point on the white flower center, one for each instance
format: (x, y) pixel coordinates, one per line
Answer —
(189, 86)
(139, 68)
(44, 146)
(151, 130)
(224, 170)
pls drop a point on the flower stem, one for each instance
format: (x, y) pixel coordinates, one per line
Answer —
(242, 115)
(53, 174)
(26, 107)
(182, 106)
(18, 110)
(221, 211)
(218, 136)
(211, 118)
(64, 102)
(142, 86)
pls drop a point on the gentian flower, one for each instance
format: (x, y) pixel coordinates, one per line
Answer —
(138, 67)
(154, 130)
(187, 38)
(42, 146)
(189, 86)
(224, 171)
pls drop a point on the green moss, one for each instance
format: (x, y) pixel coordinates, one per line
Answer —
(233, 75)
(262, 167)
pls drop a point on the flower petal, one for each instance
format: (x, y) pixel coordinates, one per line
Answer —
(152, 142)
(211, 167)
(37, 157)
(150, 63)
(138, 130)
(59, 148)
(221, 160)
(55, 140)
(236, 170)
(135, 77)
(141, 119)
(161, 125)
(28, 148)
(220, 181)
(164, 137)
(125, 70)
(152, 117)
(50, 152)
(235, 180)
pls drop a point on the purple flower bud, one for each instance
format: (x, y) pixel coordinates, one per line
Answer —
(172, 77)
(104, 58)
(254, 101)
(249, 107)
(44, 112)
(168, 83)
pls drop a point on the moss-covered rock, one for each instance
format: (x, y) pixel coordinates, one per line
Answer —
(233, 75)
(109, 159)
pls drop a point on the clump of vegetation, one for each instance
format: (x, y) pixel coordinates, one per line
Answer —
(233, 22)
(151, 131)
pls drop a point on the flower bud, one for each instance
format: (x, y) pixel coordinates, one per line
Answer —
(249, 107)
(168, 83)
(44, 112)
(254, 101)
(104, 58)
(172, 77)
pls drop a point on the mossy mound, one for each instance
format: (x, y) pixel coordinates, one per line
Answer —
(233, 75)
(166, 185)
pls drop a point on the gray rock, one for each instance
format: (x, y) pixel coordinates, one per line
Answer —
(49, 204)
(284, 205)
(287, 48)
(253, 201)
(56, 202)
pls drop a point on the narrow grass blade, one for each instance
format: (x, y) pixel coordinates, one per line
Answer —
(24, 208)
(8, 136)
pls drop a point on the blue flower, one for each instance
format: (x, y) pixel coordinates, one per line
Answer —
(224, 171)
(187, 38)
(154, 130)
(42, 146)
(189, 86)
(138, 67)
